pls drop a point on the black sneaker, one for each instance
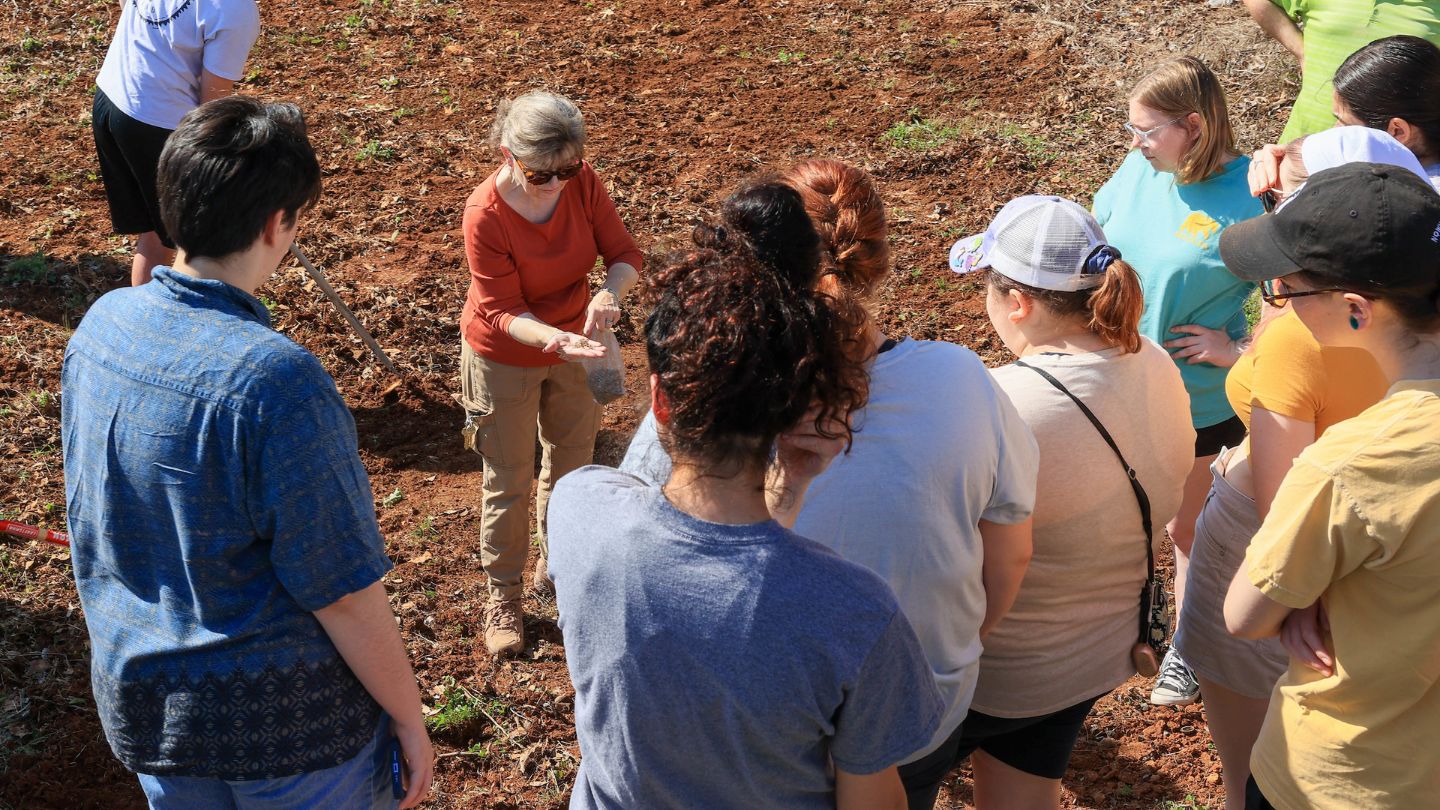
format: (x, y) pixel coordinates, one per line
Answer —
(1176, 685)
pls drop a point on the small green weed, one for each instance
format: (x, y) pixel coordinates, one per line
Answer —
(1034, 145)
(785, 57)
(1252, 308)
(389, 83)
(393, 498)
(455, 709)
(1189, 803)
(374, 150)
(920, 134)
(426, 529)
(31, 44)
(32, 269)
(269, 304)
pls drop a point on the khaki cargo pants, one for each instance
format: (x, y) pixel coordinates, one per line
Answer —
(507, 406)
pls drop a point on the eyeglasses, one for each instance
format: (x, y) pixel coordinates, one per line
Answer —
(539, 177)
(1145, 134)
(1275, 293)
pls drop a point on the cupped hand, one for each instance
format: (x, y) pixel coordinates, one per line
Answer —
(1204, 345)
(1303, 634)
(419, 758)
(1264, 174)
(571, 346)
(802, 453)
(603, 312)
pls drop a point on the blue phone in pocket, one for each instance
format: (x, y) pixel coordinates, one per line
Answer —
(397, 787)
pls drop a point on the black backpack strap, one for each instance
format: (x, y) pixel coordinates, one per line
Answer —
(1130, 474)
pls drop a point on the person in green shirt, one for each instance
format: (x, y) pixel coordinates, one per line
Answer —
(1322, 33)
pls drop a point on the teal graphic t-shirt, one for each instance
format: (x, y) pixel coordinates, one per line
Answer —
(1170, 234)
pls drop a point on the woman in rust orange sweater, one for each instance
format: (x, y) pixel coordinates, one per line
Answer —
(533, 231)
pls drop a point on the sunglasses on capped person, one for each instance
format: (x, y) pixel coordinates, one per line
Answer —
(539, 177)
(1275, 293)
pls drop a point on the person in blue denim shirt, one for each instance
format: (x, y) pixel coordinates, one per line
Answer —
(225, 546)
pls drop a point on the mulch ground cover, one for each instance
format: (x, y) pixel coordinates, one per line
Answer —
(955, 106)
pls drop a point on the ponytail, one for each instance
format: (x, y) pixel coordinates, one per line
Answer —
(1115, 307)
(1111, 311)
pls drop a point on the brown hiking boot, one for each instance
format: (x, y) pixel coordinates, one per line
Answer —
(504, 627)
(541, 580)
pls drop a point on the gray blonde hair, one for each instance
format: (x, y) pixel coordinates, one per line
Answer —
(539, 127)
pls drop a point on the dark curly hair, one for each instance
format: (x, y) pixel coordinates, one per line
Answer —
(742, 343)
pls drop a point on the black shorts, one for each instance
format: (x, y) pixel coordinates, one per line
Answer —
(129, 152)
(1254, 799)
(1040, 746)
(1210, 440)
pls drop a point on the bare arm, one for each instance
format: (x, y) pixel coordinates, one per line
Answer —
(1250, 613)
(362, 627)
(1273, 21)
(532, 331)
(604, 309)
(1007, 554)
(213, 87)
(873, 791)
(801, 455)
(1275, 441)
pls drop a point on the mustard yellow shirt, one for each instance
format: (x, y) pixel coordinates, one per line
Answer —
(1357, 524)
(1289, 373)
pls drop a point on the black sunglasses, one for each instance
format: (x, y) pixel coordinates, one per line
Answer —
(539, 177)
(1269, 294)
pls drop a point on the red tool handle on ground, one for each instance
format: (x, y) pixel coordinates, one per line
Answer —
(32, 533)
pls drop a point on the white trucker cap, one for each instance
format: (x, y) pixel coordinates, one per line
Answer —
(1045, 242)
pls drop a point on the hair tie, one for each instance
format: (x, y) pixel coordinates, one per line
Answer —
(1100, 259)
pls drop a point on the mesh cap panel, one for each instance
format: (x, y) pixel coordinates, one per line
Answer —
(1043, 238)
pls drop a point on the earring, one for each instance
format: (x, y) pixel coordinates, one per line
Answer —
(1354, 322)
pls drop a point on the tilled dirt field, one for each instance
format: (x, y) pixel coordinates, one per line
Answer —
(954, 105)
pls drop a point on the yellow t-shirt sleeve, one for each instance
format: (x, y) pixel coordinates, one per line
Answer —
(1289, 373)
(1313, 536)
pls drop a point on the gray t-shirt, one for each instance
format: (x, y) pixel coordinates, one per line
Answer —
(722, 666)
(940, 447)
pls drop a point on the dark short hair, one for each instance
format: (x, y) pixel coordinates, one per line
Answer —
(1394, 77)
(228, 167)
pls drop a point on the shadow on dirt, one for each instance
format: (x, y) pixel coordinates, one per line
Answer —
(52, 752)
(58, 290)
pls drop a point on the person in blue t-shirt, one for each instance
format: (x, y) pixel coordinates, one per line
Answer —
(243, 652)
(719, 659)
(1180, 187)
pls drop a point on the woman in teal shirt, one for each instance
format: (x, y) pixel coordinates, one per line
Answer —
(1181, 185)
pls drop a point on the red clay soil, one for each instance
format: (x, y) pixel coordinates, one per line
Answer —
(954, 106)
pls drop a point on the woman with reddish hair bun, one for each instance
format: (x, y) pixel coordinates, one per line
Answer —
(720, 659)
(936, 492)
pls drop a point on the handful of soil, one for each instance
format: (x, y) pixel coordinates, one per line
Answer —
(606, 375)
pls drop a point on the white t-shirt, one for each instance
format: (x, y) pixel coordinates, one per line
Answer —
(1068, 636)
(152, 70)
(939, 447)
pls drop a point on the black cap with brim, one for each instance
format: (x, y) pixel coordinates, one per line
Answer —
(1252, 250)
(1361, 223)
